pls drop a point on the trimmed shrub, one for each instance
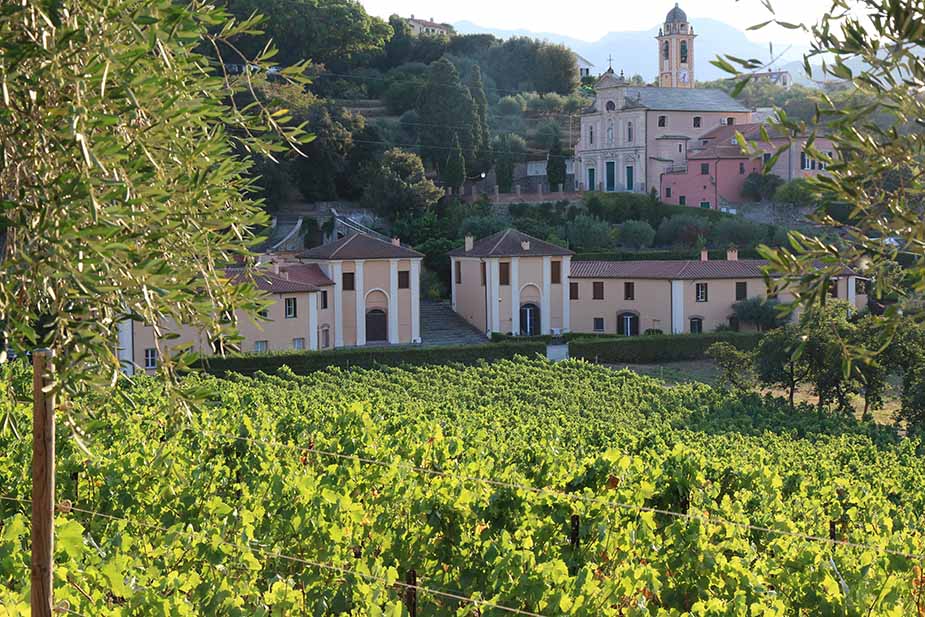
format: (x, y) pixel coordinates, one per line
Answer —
(636, 234)
(657, 349)
(306, 362)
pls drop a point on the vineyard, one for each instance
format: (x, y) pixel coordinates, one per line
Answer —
(518, 487)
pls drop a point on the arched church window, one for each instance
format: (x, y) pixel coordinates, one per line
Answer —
(683, 52)
(611, 106)
(666, 51)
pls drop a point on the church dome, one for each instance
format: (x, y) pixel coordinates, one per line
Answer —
(676, 16)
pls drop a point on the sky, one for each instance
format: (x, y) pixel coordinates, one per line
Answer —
(588, 19)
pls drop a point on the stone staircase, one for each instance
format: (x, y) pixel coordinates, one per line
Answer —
(440, 326)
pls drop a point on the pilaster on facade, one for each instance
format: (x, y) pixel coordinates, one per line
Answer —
(677, 307)
(337, 275)
(393, 302)
(566, 295)
(360, 286)
(416, 301)
(852, 290)
(127, 346)
(453, 262)
(313, 321)
(544, 301)
(494, 302)
(515, 296)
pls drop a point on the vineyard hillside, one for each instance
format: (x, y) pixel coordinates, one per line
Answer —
(517, 486)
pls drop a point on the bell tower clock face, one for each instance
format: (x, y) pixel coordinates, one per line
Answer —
(683, 76)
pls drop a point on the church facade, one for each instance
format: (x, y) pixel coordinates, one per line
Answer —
(630, 136)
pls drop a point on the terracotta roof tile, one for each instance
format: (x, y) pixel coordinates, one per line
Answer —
(311, 274)
(510, 243)
(674, 269)
(360, 246)
(270, 282)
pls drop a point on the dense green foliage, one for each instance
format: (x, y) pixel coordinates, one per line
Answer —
(124, 184)
(209, 506)
(398, 186)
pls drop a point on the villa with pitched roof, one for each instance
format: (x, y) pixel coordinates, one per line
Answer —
(355, 291)
(512, 283)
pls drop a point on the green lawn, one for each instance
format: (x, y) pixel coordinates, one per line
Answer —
(706, 371)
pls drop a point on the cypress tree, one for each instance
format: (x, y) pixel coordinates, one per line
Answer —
(481, 139)
(446, 111)
(454, 172)
(555, 165)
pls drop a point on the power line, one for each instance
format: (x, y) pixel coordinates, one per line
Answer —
(463, 85)
(254, 546)
(578, 497)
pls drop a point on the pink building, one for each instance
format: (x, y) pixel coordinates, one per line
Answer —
(716, 167)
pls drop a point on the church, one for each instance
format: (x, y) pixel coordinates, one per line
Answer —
(630, 136)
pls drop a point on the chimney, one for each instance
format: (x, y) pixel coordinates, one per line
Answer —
(396, 241)
(470, 242)
(732, 254)
(704, 255)
(525, 245)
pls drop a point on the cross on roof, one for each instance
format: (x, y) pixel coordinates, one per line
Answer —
(610, 60)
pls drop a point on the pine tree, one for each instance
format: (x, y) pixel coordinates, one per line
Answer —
(555, 166)
(454, 171)
(446, 110)
(482, 140)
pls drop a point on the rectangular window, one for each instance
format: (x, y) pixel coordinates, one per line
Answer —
(860, 287)
(730, 121)
(804, 161)
(458, 268)
(741, 168)
(766, 158)
(702, 292)
(325, 338)
(265, 313)
(668, 191)
(261, 346)
(629, 291)
(555, 272)
(598, 290)
(682, 200)
(704, 169)
(741, 291)
(697, 121)
(812, 164)
(504, 273)
(404, 279)
(298, 343)
(696, 325)
(350, 283)
(292, 308)
(150, 358)
(598, 324)
(705, 205)
(573, 291)
(324, 300)
(662, 121)
(833, 288)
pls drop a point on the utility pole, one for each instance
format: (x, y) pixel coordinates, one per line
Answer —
(43, 484)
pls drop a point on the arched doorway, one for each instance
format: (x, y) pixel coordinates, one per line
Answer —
(529, 320)
(628, 324)
(377, 326)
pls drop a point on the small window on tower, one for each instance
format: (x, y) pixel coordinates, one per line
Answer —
(666, 51)
(662, 121)
(697, 122)
(611, 106)
(683, 52)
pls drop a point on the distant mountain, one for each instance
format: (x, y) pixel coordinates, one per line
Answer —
(629, 48)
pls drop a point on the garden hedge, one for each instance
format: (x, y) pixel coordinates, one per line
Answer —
(305, 362)
(656, 349)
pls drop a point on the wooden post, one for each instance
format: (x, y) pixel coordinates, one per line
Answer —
(573, 537)
(43, 484)
(411, 592)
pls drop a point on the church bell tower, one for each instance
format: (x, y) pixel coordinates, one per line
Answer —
(676, 51)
